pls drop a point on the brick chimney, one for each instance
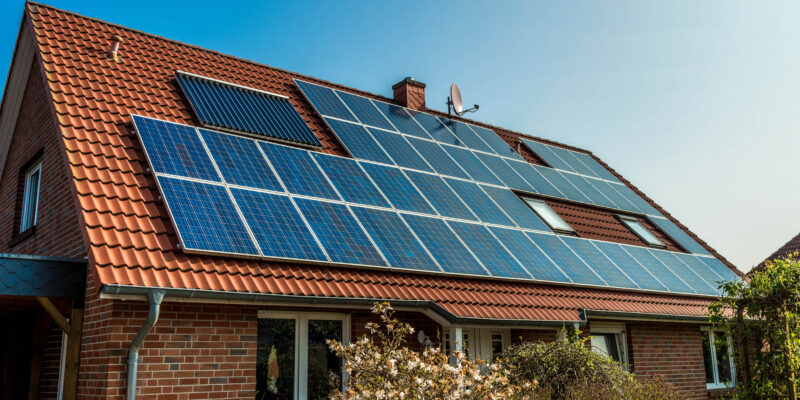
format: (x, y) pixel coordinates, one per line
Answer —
(410, 93)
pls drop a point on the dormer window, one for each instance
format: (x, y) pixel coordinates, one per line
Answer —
(550, 217)
(30, 197)
(639, 230)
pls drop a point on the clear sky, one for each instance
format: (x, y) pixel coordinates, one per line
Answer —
(696, 103)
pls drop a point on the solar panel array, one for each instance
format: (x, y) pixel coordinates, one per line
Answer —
(241, 196)
(413, 140)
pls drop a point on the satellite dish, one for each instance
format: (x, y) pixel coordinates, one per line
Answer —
(455, 98)
(455, 103)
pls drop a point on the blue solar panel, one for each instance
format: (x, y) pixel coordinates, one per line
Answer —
(545, 153)
(700, 268)
(298, 171)
(535, 179)
(479, 202)
(228, 106)
(205, 217)
(443, 199)
(494, 257)
(353, 184)
(339, 233)
(444, 245)
(495, 142)
(520, 213)
(437, 158)
(174, 149)
(325, 101)
(679, 236)
(630, 266)
(277, 226)
(506, 174)
(575, 269)
(466, 135)
(599, 170)
(397, 188)
(436, 129)
(471, 165)
(365, 111)
(240, 161)
(398, 148)
(529, 255)
(658, 269)
(358, 141)
(618, 199)
(640, 203)
(569, 157)
(590, 191)
(562, 184)
(721, 269)
(598, 261)
(394, 239)
(690, 277)
(401, 119)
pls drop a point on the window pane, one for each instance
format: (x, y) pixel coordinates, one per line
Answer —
(30, 196)
(707, 357)
(723, 358)
(606, 344)
(323, 364)
(548, 215)
(641, 231)
(497, 345)
(275, 359)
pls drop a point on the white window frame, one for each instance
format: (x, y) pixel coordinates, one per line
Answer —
(62, 362)
(618, 330)
(29, 200)
(301, 342)
(652, 241)
(549, 216)
(479, 342)
(718, 383)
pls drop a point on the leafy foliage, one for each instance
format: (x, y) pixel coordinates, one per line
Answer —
(763, 316)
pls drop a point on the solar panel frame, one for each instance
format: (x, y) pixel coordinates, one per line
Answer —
(174, 149)
(599, 170)
(437, 158)
(691, 277)
(472, 165)
(638, 273)
(340, 234)
(641, 204)
(436, 129)
(504, 172)
(719, 268)
(494, 141)
(599, 263)
(677, 234)
(479, 202)
(365, 111)
(401, 119)
(443, 244)
(594, 195)
(569, 262)
(298, 172)
(536, 180)
(358, 141)
(545, 153)
(606, 189)
(491, 253)
(700, 268)
(400, 192)
(325, 101)
(240, 161)
(516, 209)
(350, 180)
(398, 148)
(665, 275)
(575, 164)
(443, 199)
(563, 184)
(529, 255)
(466, 135)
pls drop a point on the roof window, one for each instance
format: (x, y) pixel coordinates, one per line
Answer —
(639, 230)
(550, 217)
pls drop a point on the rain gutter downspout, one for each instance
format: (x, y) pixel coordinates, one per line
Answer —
(154, 297)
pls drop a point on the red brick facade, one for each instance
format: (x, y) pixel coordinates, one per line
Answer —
(410, 93)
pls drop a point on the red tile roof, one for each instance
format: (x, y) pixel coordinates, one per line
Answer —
(132, 242)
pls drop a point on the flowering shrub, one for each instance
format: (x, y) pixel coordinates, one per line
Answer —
(380, 367)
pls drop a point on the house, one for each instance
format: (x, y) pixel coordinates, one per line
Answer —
(224, 217)
(789, 248)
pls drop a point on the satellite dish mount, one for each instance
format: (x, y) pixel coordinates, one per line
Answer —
(454, 103)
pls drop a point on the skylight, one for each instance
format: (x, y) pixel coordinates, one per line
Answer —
(643, 233)
(550, 217)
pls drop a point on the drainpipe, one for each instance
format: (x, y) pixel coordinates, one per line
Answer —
(154, 297)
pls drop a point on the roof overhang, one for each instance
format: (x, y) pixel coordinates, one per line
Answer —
(22, 275)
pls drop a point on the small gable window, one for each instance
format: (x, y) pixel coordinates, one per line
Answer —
(30, 197)
(639, 230)
(550, 217)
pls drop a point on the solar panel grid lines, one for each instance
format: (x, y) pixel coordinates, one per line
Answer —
(678, 235)
(325, 100)
(479, 202)
(400, 192)
(442, 197)
(299, 173)
(488, 250)
(599, 262)
(635, 270)
(401, 119)
(476, 169)
(585, 187)
(504, 172)
(545, 153)
(538, 182)
(239, 160)
(572, 161)
(364, 110)
(358, 141)
(174, 149)
(513, 206)
(564, 186)
(599, 170)
(665, 274)
(350, 180)
(701, 269)
(436, 129)
(611, 193)
(569, 262)
(529, 255)
(466, 135)
(697, 283)
(495, 142)
(720, 268)
(398, 148)
(445, 246)
(437, 158)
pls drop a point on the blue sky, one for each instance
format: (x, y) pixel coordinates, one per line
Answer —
(696, 103)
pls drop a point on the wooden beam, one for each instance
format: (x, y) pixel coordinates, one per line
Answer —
(72, 357)
(54, 313)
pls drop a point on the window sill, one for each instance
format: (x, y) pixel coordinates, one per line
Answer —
(20, 237)
(717, 392)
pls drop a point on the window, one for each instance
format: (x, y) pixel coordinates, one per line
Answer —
(30, 197)
(485, 344)
(720, 370)
(643, 233)
(550, 217)
(608, 338)
(293, 360)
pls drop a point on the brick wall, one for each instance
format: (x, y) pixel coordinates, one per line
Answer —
(419, 321)
(672, 352)
(51, 362)
(57, 232)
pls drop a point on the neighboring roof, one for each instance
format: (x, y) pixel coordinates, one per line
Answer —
(792, 246)
(131, 240)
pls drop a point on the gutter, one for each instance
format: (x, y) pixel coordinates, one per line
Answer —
(585, 314)
(213, 295)
(154, 297)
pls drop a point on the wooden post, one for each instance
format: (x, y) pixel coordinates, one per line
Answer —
(71, 362)
(41, 330)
